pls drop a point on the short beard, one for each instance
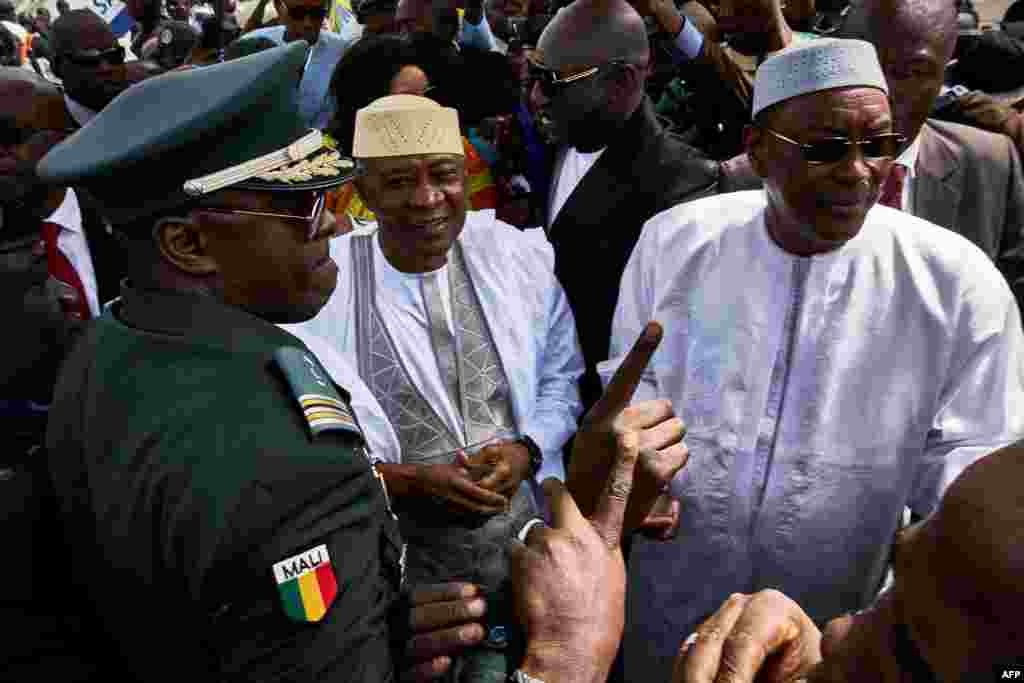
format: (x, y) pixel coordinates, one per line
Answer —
(594, 132)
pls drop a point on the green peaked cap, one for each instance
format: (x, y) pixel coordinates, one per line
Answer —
(137, 154)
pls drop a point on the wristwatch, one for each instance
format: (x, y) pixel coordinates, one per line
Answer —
(536, 457)
(518, 676)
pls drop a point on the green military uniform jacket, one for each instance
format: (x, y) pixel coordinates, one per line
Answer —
(186, 470)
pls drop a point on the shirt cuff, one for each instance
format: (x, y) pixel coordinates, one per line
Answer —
(525, 531)
(688, 43)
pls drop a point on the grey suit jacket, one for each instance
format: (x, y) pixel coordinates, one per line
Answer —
(967, 180)
(970, 181)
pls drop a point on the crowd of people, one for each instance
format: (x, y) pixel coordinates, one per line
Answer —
(508, 340)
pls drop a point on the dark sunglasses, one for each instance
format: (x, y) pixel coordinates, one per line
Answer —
(832, 150)
(93, 58)
(312, 216)
(551, 83)
(299, 13)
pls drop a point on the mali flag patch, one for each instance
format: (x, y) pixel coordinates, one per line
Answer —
(307, 585)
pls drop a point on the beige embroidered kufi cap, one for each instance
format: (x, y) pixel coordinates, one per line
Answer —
(406, 125)
(817, 65)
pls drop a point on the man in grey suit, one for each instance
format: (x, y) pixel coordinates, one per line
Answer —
(959, 177)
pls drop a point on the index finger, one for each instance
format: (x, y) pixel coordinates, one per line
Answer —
(564, 512)
(626, 379)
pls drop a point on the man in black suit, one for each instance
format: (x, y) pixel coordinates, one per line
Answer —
(616, 165)
(45, 307)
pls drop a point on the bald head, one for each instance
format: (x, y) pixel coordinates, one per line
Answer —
(591, 32)
(884, 21)
(915, 40)
(980, 535)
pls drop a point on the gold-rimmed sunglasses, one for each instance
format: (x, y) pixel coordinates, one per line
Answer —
(551, 83)
(313, 219)
(832, 150)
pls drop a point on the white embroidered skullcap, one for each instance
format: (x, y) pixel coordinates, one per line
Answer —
(404, 125)
(817, 65)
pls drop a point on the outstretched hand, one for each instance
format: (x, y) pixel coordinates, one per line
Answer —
(763, 637)
(613, 422)
(570, 581)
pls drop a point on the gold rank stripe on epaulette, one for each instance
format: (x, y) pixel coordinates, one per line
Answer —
(322, 406)
(324, 412)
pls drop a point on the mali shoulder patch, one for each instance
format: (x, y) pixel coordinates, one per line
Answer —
(307, 584)
(321, 404)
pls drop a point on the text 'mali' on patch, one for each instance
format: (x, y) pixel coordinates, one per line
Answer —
(307, 584)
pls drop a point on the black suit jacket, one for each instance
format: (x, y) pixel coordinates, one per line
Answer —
(104, 248)
(49, 641)
(645, 171)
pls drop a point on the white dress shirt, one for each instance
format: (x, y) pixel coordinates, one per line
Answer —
(822, 394)
(908, 159)
(72, 243)
(401, 305)
(574, 167)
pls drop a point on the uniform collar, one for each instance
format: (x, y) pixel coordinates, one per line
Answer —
(201, 319)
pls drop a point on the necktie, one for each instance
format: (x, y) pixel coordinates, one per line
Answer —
(442, 337)
(892, 189)
(61, 269)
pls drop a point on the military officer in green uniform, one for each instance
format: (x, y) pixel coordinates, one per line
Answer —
(222, 519)
(209, 472)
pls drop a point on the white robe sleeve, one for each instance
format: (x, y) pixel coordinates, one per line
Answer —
(558, 407)
(381, 440)
(635, 309)
(982, 404)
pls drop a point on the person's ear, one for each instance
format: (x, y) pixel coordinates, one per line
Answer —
(753, 144)
(185, 245)
(624, 81)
